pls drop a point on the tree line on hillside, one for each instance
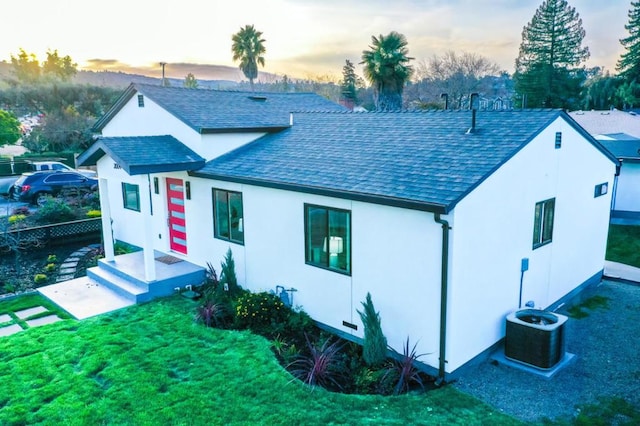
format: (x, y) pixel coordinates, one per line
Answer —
(549, 73)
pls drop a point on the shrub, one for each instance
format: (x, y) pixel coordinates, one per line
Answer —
(54, 211)
(22, 210)
(403, 370)
(374, 349)
(13, 219)
(228, 278)
(210, 313)
(40, 278)
(320, 367)
(50, 268)
(263, 313)
(94, 213)
(52, 258)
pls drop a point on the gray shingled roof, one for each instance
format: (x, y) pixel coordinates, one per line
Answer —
(624, 149)
(421, 160)
(608, 121)
(143, 154)
(209, 111)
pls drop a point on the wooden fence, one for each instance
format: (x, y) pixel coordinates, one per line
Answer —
(57, 233)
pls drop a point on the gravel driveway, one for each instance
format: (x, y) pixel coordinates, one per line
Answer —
(607, 364)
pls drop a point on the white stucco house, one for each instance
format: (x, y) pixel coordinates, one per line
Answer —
(619, 132)
(449, 226)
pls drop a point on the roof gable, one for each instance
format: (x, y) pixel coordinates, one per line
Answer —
(143, 154)
(212, 111)
(422, 160)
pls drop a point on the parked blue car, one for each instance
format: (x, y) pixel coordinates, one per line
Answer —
(36, 187)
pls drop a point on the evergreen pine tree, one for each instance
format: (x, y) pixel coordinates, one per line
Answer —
(548, 68)
(629, 64)
(348, 87)
(228, 278)
(374, 350)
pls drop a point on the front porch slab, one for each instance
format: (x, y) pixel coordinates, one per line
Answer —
(84, 298)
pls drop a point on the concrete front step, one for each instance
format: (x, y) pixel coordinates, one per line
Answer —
(130, 289)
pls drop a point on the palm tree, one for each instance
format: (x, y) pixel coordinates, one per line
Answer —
(386, 66)
(248, 48)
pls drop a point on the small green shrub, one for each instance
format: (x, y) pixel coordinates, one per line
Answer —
(261, 312)
(13, 219)
(40, 278)
(94, 213)
(50, 268)
(123, 248)
(52, 258)
(374, 349)
(228, 278)
(54, 211)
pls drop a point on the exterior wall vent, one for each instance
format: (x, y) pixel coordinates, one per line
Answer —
(558, 140)
(141, 101)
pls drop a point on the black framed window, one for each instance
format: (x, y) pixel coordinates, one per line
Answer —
(328, 238)
(228, 216)
(131, 196)
(543, 222)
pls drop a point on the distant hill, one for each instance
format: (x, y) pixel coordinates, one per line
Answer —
(208, 76)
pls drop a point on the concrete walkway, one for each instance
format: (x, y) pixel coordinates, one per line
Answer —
(81, 297)
(621, 272)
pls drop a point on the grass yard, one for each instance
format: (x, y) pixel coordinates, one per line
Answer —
(623, 244)
(152, 364)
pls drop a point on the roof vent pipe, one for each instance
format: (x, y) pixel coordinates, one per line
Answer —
(473, 106)
(445, 96)
(290, 119)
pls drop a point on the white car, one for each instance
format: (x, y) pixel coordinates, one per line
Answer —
(56, 165)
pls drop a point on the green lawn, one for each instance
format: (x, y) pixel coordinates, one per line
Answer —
(624, 244)
(151, 364)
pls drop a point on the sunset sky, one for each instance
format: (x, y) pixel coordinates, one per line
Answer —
(304, 38)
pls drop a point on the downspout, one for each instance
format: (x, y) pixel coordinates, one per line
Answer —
(444, 290)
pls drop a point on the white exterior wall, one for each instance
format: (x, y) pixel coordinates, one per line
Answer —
(395, 256)
(153, 120)
(628, 188)
(493, 232)
(127, 225)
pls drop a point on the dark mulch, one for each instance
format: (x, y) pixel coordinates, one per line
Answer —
(19, 277)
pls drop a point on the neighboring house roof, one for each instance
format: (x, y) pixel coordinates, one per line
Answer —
(419, 160)
(143, 154)
(215, 111)
(608, 121)
(623, 149)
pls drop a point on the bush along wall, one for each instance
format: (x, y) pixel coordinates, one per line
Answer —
(309, 353)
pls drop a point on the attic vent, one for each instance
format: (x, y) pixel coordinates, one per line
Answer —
(140, 101)
(558, 140)
(258, 98)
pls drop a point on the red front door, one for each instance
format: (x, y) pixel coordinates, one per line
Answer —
(177, 219)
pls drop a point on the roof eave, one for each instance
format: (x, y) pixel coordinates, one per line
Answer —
(348, 195)
(265, 129)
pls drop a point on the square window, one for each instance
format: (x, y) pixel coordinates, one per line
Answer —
(328, 238)
(543, 222)
(131, 196)
(601, 189)
(228, 216)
